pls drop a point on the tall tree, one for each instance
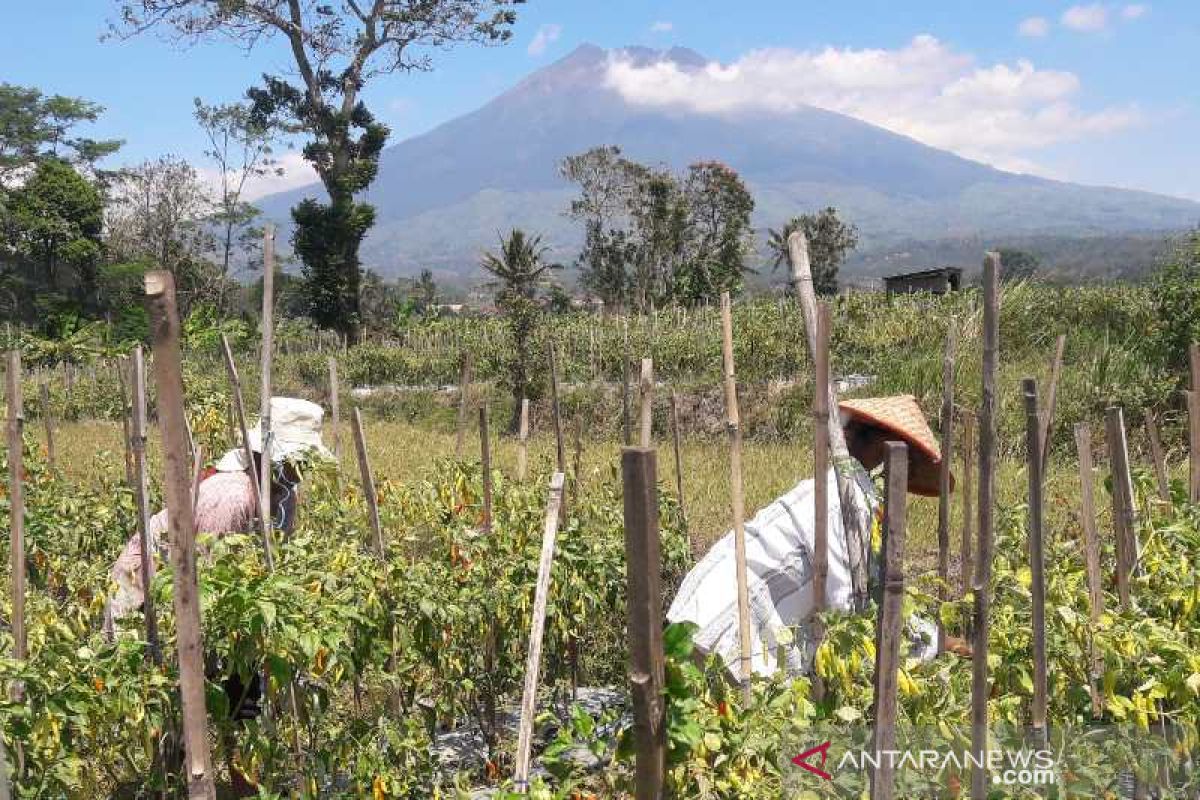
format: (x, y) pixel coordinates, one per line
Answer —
(239, 146)
(337, 48)
(718, 207)
(1019, 265)
(829, 240)
(520, 268)
(34, 126)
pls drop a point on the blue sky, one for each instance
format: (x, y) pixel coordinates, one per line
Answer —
(1102, 93)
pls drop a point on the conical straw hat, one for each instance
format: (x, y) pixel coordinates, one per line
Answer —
(900, 415)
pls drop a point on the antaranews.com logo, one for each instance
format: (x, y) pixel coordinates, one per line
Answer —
(1019, 767)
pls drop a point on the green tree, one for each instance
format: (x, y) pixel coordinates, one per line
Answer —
(718, 207)
(56, 222)
(1017, 265)
(337, 49)
(34, 127)
(829, 240)
(520, 270)
(1176, 297)
(424, 292)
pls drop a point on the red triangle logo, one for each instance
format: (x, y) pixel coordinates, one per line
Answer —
(802, 761)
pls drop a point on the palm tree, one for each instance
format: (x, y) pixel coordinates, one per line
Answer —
(520, 269)
(829, 239)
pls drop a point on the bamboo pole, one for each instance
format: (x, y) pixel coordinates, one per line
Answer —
(888, 630)
(268, 342)
(164, 329)
(856, 516)
(1091, 551)
(555, 409)
(644, 600)
(464, 394)
(1037, 565)
(1157, 457)
(197, 475)
(987, 501)
(533, 663)
(733, 423)
(16, 503)
(675, 436)
(1124, 517)
(966, 493)
(126, 423)
(335, 412)
(1194, 424)
(239, 407)
(48, 420)
(646, 390)
(141, 493)
(368, 482)
(821, 413)
(626, 411)
(485, 461)
(1046, 424)
(947, 447)
(523, 440)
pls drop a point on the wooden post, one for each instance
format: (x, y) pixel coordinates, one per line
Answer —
(523, 441)
(1124, 517)
(980, 783)
(239, 407)
(646, 392)
(48, 420)
(197, 475)
(675, 435)
(1156, 456)
(368, 482)
(626, 412)
(1037, 565)
(966, 493)
(141, 493)
(16, 502)
(533, 664)
(821, 469)
(646, 671)
(164, 333)
(335, 411)
(1194, 424)
(1046, 426)
(126, 423)
(485, 461)
(464, 395)
(560, 448)
(733, 423)
(891, 618)
(947, 447)
(1091, 551)
(268, 346)
(856, 517)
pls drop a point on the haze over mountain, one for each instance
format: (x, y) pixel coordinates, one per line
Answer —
(442, 197)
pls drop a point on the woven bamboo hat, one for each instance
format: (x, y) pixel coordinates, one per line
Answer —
(900, 417)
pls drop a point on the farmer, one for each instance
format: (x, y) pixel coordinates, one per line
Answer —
(779, 547)
(225, 504)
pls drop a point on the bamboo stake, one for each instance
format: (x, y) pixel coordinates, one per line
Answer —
(239, 407)
(560, 449)
(1194, 423)
(268, 342)
(16, 503)
(141, 494)
(947, 447)
(126, 423)
(733, 423)
(1124, 517)
(533, 664)
(1091, 550)
(335, 412)
(1157, 457)
(966, 492)
(646, 388)
(368, 482)
(197, 475)
(626, 412)
(821, 470)
(891, 619)
(987, 500)
(485, 460)
(1037, 566)
(1046, 425)
(646, 657)
(48, 420)
(464, 393)
(856, 517)
(164, 316)
(675, 435)
(523, 441)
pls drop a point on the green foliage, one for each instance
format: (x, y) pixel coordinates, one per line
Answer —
(829, 240)
(1019, 265)
(35, 127)
(1176, 295)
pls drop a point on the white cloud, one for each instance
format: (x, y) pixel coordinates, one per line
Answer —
(926, 90)
(1089, 18)
(296, 173)
(1134, 11)
(662, 26)
(545, 36)
(1034, 27)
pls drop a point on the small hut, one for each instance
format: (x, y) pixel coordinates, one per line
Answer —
(935, 281)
